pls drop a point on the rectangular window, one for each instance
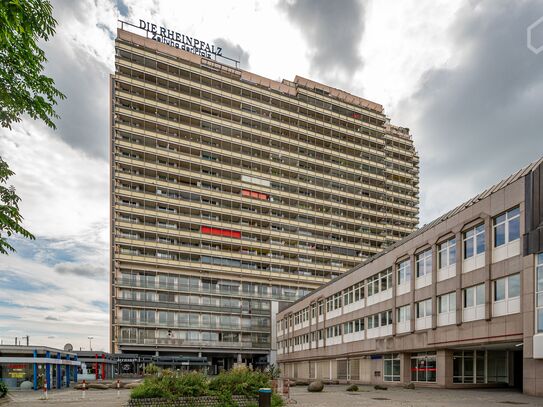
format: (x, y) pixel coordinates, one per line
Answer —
(391, 367)
(447, 303)
(403, 313)
(507, 227)
(447, 253)
(474, 241)
(424, 263)
(474, 296)
(507, 287)
(404, 272)
(424, 308)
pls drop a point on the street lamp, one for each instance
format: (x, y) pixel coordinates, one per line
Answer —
(90, 338)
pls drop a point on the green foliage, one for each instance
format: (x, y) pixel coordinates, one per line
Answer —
(23, 23)
(192, 384)
(3, 389)
(151, 369)
(274, 371)
(240, 381)
(10, 217)
(150, 388)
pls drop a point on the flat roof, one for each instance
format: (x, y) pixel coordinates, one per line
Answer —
(284, 86)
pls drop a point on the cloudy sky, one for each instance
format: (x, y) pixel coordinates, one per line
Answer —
(458, 74)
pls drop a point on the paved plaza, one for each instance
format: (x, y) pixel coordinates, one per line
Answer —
(334, 396)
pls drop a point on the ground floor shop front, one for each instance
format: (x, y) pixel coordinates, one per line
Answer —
(440, 368)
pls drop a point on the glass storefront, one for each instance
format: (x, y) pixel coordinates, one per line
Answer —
(479, 366)
(391, 367)
(423, 367)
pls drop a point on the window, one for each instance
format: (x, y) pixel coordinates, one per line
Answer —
(424, 263)
(474, 241)
(380, 282)
(507, 227)
(424, 308)
(447, 253)
(403, 313)
(391, 367)
(353, 293)
(381, 319)
(404, 272)
(447, 303)
(359, 325)
(539, 291)
(507, 287)
(469, 366)
(423, 367)
(474, 296)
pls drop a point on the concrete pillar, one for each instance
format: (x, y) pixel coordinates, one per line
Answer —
(413, 279)
(459, 261)
(488, 266)
(405, 367)
(394, 286)
(239, 358)
(434, 285)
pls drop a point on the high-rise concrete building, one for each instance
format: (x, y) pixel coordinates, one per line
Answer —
(231, 192)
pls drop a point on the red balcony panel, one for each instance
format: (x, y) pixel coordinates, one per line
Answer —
(254, 194)
(220, 232)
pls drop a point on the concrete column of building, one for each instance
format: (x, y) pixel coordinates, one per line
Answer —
(441, 367)
(434, 285)
(488, 267)
(413, 279)
(459, 260)
(310, 322)
(394, 289)
(405, 367)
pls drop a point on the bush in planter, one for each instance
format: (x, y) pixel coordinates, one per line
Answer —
(151, 388)
(192, 384)
(151, 369)
(240, 381)
(3, 389)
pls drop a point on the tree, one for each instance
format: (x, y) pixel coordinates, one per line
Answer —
(10, 218)
(23, 88)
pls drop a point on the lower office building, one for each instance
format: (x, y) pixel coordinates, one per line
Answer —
(458, 303)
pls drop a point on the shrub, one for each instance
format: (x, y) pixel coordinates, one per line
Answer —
(193, 384)
(151, 369)
(151, 388)
(240, 381)
(3, 389)
(274, 371)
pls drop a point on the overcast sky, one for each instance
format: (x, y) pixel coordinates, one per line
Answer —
(457, 73)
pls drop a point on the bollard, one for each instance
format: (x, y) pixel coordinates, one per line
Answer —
(45, 396)
(264, 397)
(118, 388)
(84, 388)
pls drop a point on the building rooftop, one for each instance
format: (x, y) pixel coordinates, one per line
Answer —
(284, 86)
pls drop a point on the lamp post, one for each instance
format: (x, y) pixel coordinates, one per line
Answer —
(90, 338)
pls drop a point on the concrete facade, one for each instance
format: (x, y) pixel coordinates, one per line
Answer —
(231, 192)
(454, 304)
